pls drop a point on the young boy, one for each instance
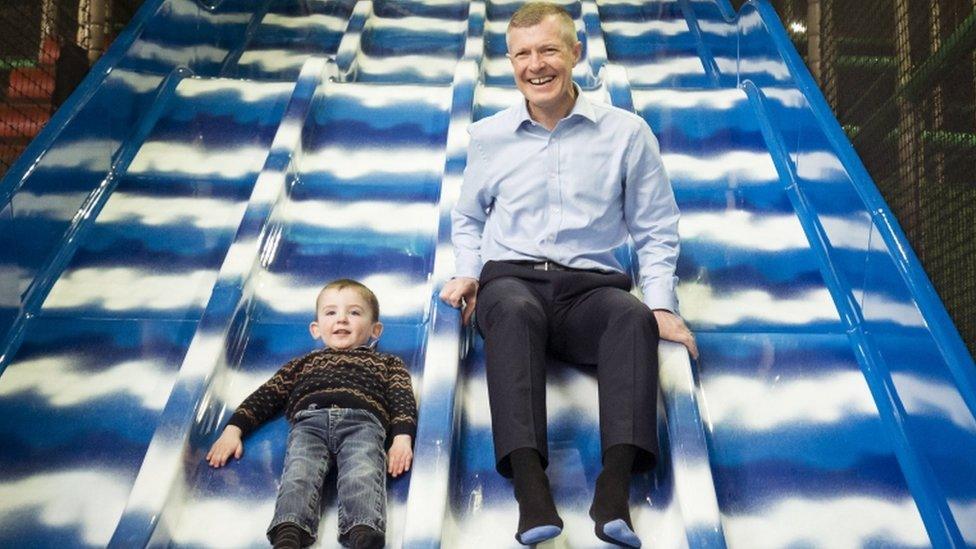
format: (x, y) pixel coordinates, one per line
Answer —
(342, 402)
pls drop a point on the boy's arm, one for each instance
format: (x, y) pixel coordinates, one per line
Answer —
(400, 455)
(227, 445)
(268, 399)
(399, 397)
(255, 410)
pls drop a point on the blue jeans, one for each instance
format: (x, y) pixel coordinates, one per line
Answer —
(351, 439)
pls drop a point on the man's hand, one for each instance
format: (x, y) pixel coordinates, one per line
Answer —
(461, 291)
(672, 328)
(400, 455)
(228, 444)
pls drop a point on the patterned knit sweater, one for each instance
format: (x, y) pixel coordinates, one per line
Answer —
(361, 378)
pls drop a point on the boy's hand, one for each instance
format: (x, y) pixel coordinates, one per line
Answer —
(228, 444)
(400, 455)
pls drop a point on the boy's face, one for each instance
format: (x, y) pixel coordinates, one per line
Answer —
(344, 320)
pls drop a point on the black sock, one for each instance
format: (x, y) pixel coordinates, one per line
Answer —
(536, 508)
(364, 537)
(612, 494)
(287, 536)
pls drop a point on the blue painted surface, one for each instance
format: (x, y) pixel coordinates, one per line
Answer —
(833, 404)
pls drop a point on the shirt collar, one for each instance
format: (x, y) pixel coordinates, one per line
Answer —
(582, 107)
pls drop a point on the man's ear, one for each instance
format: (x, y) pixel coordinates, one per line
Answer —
(376, 330)
(313, 329)
(577, 52)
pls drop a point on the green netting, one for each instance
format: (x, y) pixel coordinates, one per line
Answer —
(33, 35)
(899, 75)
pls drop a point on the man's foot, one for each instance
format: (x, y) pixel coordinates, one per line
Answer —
(617, 532)
(538, 519)
(287, 535)
(539, 534)
(364, 537)
(610, 509)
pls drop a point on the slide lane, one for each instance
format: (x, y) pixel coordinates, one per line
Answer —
(82, 394)
(674, 506)
(834, 386)
(362, 204)
(832, 405)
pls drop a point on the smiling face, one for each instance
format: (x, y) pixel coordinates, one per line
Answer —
(543, 57)
(344, 320)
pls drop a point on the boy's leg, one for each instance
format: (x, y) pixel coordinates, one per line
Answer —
(307, 462)
(361, 472)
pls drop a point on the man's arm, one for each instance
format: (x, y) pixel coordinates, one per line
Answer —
(652, 216)
(467, 225)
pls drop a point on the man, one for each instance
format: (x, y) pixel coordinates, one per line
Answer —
(552, 186)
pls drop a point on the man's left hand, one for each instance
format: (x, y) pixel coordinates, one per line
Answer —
(672, 328)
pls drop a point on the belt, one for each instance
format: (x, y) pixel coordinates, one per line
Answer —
(544, 266)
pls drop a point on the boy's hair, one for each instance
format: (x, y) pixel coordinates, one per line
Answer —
(533, 13)
(358, 287)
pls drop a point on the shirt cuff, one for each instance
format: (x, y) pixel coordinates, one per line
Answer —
(404, 429)
(241, 422)
(660, 296)
(468, 265)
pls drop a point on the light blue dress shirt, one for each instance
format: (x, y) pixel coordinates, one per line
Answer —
(571, 196)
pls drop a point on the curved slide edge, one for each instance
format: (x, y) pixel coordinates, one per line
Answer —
(929, 496)
(943, 330)
(437, 426)
(155, 501)
(694, 485)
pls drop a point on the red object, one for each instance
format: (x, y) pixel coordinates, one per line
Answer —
(23, 119)
(31, 83)
(26, 105)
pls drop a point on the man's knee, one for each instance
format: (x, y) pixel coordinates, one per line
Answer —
(631, 313)
(509, 301)
(518, 310)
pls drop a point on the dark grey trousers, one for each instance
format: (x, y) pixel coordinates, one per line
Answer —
(582, 317)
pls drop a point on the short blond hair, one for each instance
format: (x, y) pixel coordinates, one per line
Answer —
(358, 287)
(533, 13)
